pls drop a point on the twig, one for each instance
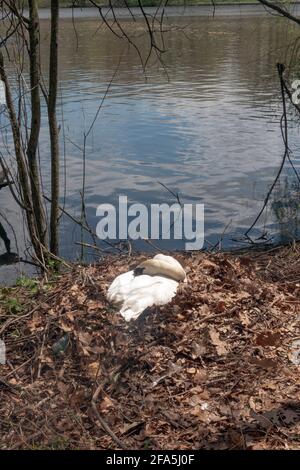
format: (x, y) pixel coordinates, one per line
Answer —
(102, 421)
(280, 10)
(13, 372)
(81, 224)
(10, 321)
(280, 68)
(41, 352)
(176, 195)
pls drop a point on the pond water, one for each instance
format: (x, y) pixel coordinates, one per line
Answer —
(205, 122)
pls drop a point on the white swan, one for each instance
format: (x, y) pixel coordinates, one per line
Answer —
(153, 282)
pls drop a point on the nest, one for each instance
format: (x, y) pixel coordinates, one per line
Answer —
(214, 369)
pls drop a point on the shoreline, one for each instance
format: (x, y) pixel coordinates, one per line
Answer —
(205, 10)
(150, 3)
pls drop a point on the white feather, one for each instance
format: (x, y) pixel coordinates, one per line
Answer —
(148, 291)
(133, 294)
(120, 287)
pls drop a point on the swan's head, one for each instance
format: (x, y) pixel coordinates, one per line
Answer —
(162, 265)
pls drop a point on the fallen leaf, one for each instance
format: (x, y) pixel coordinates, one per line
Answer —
(220, 345)
(268, 338)
(265, 363)
(106, 404)
(131, 427)
(93, 370)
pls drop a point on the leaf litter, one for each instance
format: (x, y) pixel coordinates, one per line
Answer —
(214, 369)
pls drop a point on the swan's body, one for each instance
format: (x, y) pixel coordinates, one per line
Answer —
(153, 282)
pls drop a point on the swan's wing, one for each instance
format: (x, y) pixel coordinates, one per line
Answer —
(146, 292)
(120, 288)
(163, 290)
(127, 283)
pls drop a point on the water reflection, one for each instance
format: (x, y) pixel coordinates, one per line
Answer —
(286, 208)
(210, 132)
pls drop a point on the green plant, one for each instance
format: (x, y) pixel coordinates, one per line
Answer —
(147, 444)
(28, 283)
(12, 304)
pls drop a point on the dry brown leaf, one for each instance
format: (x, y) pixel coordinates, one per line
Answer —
(35, 323)
(221, 346)
(84, 338)
(131, 427)
(220, 307)
(265, 363)
(65, 326)
(106, 404)
(268, 338)
(93, 370)
(244, 317)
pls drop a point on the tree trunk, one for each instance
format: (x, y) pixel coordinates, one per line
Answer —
(53, 71)
(22, 169)
(34, 55)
